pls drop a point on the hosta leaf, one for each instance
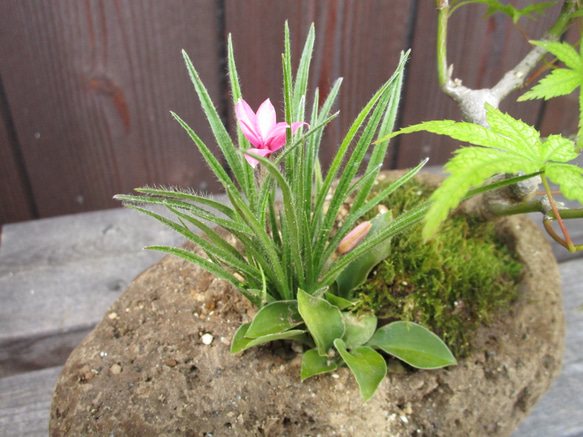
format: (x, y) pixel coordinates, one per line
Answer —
(413, 344)
(324, 320)
(358, 330)
(569, 178)
(274, 318)
(314, 364)
(367, 365)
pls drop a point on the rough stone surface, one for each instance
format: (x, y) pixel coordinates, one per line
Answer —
(147, 369)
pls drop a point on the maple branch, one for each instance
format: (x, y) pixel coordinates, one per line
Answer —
(471, 101)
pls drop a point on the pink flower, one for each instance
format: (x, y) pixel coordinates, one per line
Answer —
(261, 129)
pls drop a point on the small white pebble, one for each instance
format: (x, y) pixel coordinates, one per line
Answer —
(404, 419)
(335, 375)
(207, 339)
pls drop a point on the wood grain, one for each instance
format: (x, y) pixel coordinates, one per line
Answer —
(90, 85)
(16, 203)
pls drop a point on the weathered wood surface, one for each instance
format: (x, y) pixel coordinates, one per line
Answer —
(87, 89)
(77, 266)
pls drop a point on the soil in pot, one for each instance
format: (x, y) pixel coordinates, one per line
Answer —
(159, 364)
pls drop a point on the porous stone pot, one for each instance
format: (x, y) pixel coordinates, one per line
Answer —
(159, 364)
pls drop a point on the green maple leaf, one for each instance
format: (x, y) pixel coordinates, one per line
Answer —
(508, 146)
(511, 11)
(561, 81)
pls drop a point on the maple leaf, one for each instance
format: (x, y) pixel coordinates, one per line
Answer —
(508, 146)
(561, 81)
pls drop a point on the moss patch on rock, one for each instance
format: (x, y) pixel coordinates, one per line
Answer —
(450, 284)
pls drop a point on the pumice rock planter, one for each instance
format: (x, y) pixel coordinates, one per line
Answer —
(159, 364)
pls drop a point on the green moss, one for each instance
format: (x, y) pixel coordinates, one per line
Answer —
(450, 284)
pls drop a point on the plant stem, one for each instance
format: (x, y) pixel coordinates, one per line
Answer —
(569, 243)
(470, 101)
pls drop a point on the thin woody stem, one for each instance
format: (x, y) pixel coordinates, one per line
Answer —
(570, 246)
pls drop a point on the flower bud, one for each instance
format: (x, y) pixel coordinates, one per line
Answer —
(354, 237)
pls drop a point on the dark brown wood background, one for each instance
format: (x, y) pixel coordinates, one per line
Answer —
(86, 86)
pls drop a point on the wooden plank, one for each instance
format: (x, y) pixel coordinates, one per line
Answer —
(359, 41)
(90, 86)
(25, 403)
(58, 276)
(15, 202)
(481, 52)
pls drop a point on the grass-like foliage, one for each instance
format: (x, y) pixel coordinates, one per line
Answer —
(290, 266)
(508, 146)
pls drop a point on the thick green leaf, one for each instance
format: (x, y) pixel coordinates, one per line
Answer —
(294, 334)
(240, 342)
(367, 365)
(357, 271)
(324, 320)
(314, 364)
(338, 301)
(358, 330)
(413, 344)
(274, 318)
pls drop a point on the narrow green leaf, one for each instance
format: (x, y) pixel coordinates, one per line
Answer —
(314, 364)
(274, 318)
(189, 197)
(368, 366)
(323, 320)
(220, 132)
(413, 344)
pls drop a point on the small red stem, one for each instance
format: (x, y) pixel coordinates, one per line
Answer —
(570, 246)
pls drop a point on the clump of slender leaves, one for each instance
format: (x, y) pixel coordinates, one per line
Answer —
(290, 268)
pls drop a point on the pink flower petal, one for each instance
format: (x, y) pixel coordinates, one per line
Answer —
(248, 123)
(265, 119)
(261, 152)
